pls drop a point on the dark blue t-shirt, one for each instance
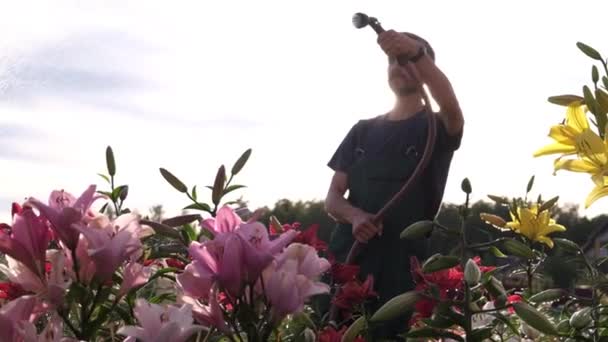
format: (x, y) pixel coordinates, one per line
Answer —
(379, 136)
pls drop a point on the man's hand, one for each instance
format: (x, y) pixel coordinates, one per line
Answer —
(394, 44)
(363, 227)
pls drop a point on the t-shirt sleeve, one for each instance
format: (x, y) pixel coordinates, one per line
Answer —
(445, 141)
(344, 155)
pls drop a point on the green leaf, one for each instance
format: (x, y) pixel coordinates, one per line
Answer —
(198, 206)
(566, 245)
(426, 332)
(106, 178)
(190, 232)
(162, 229)
(218, 185)
(601, 261)
(481, 334)
(174, 181)
(589, 51)
(439, 262)
(169, 297)
(495, 287)
(110, 163)
(466, 186)
(518, 248)
(564, 326)
(231, 188)
(566, 100)
(194, 194)
(162, 272)
(602, 101)
(534, 318)
(178, 221)
(547, 296)
(103, 208)
(472, 273)
(119, 192)
(417, 230)
(595, 75)
(530, 184)
(605, 81)
(498, 199)
(354, 329)
(440, 321)
(396, 306)
(590, 100)
(581, 318)
(124, 192)
(507, 322)
(105, 193)
(496, 252)
(549, 204)
(240, 163)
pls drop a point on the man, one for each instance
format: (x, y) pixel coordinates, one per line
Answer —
(376, 158)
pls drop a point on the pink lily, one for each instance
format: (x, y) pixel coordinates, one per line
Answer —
(160, 323)
(293, 278)
(22, 275)
(28, 241)
(111, 243)
(64, 210)
(13, 315)
(134, 275)
(51, 288)
(86, 266)
(193, 283)
(216, 260)
(225, 221)
(208, 315)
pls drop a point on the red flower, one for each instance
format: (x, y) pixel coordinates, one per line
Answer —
(309, 237)
(5, 229)
(330, 334)
(354, 293)
(285, 227)
(149, 262)
(343, 273)
(10, 291)
(16, 209)
(172, 262)
(483, 269)
(449, 282)
(224, 301)
(513, 299)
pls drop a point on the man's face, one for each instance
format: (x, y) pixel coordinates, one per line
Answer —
(400, 80)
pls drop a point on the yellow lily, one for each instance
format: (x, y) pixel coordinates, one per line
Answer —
(593, 155)
(565, 135)
(534, 225)
(600, 190)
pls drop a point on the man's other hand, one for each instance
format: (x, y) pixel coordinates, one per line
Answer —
(364, 228)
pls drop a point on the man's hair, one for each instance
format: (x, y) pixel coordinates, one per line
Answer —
(429, 49)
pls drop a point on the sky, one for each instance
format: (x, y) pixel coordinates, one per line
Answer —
(190, 85)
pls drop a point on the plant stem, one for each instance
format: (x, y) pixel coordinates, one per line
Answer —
(116, 209)
(463, 261)
(486, 244)
(530, 274)
(67, 321)
(595, 314)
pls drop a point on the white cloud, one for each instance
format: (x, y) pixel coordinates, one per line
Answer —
(189, 86)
